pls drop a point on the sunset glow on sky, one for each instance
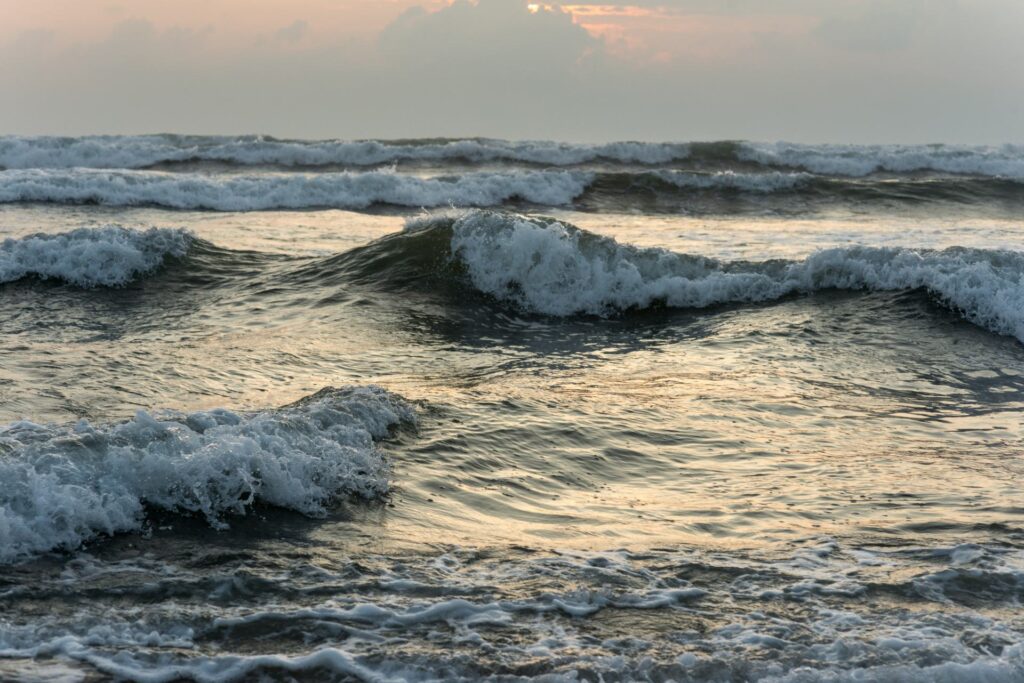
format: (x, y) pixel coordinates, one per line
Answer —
(514, 68)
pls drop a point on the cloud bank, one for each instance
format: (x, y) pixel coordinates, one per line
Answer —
(843, 71)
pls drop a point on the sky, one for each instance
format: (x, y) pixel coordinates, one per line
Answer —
(858, 71)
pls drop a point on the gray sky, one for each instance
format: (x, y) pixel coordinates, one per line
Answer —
(800, 70)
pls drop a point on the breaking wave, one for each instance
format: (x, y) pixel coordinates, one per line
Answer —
(860, 160)
(146, 151)
(549, 267)
(149, 150)
(289, 191)
(66, 484)
(682, 190)
(91, 257)
(544, 266)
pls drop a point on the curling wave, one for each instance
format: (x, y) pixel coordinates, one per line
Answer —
(65, 485)
(549, 267)
(91, 257)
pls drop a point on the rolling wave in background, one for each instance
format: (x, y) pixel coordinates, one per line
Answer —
(656, 191)
(136, 152)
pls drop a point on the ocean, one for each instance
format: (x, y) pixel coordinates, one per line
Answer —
(472, 409)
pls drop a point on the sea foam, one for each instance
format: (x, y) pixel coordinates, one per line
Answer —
(63, 485)
(548, 267)
(288, 191)
(90, 257)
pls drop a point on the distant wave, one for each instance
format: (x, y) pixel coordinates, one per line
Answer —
(288, 191)
(145, 151)
(121, 151)
(651, 190)
(63, 485)
(861, 160)
(91, 257)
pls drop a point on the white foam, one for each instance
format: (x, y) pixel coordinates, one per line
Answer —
(860, 160)
(143, 151)
(90, 257)
(288, 191)
(729, 180)
(64, 485)
(550, 268)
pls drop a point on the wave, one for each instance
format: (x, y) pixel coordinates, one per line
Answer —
(548, 267)
(66, 484)
(691, 190)
(145, 151)
(671, 189)
(121, 151)
(91, 257)
(860, 160)
(290, 191)
(542, 266)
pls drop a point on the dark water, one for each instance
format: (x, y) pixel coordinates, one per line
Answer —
(721, 411)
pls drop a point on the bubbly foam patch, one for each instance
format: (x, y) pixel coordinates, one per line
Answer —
(288, 191)
(475, 615)
(64, 485)
(142, 151)
(552, 268)
(90, 257)
(860, 160)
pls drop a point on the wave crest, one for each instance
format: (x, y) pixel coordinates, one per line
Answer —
(549, 267)
(289, 191)
(65, 485)
(92, 257)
